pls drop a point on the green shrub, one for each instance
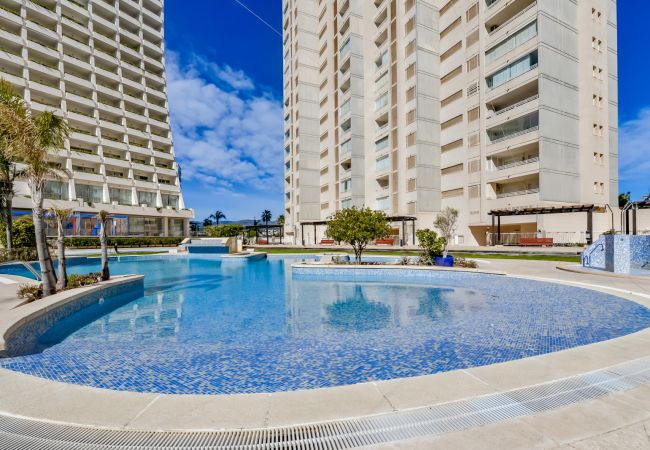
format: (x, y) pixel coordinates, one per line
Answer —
(30, 292)
(78, 280)
(24, 233)
(431, 245)
(123, 241)
(229, 230)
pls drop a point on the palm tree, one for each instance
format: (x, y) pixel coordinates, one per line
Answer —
(217, 216)
(103, 241)
(60, 216)
(266, 218)
(27, 139)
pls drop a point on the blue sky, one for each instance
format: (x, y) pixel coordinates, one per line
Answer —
(225, 88)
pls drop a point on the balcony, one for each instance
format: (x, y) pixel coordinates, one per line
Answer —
(502, 12)
(511, 111)
(504, 169)
(512, 71)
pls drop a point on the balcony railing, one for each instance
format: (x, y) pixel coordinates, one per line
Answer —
(518, 193)
(516, 105)
(496, 168)
(514, 135)
(532, 67)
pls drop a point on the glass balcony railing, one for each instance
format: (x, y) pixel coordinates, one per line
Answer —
(516, 40)
(514, 128)
(513, 70)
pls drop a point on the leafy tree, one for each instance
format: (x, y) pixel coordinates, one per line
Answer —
(207, 222)
(229, 230)
(28, 138)
(266, 218)
(357, 227)
(217, 216)
(446, 223)
(623, 199)
(432, 245)
(61, 216)
(8, 169)
(103, 242)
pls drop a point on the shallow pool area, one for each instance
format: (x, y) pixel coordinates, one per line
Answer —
(206, 325)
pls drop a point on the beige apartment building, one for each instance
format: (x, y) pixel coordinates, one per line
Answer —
(100, 65)
(409, 106)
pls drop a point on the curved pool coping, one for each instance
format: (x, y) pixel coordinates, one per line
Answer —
(23, 395)
(42, 312)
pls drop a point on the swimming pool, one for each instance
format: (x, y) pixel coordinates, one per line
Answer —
(210, 326)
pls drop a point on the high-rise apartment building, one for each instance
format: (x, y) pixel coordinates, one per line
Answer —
(100, 65)
(409, 106)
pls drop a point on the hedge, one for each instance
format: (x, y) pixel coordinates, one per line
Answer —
(144, 241)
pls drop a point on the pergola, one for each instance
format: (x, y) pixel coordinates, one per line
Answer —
(533, 211)
(393, 219)
(634, 207)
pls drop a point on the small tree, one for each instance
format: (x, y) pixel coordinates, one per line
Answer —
(281, 221)
(446, 223)
(103, 241)
(60, 216)
(357, 227)
(432, 245)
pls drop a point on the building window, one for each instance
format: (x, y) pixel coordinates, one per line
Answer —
(55, 190)
(147, 198)
(121, 196)
(516, 40)
(512, 70)
(89, 193)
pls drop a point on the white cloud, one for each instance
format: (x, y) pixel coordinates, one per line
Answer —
(228, 136)
(634, 152)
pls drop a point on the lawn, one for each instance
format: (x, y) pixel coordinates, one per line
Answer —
(558, 258)
(125, 253)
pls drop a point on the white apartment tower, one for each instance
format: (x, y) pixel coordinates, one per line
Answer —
(409, 106)
(100, 65)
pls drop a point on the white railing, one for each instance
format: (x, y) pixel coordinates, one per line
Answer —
(518, 193)
(518, 104)
(514, 135)
(513, 164)
(562, 238)
(519, 14)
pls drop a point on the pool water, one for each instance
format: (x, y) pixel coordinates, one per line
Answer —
(210, 326)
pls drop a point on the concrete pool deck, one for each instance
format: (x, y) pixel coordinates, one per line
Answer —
(612, 421)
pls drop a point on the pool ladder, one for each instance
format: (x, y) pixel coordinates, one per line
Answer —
(34, 272)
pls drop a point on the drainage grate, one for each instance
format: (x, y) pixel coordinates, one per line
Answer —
(21, 433)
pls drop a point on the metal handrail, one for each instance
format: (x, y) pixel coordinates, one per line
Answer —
(533, 67)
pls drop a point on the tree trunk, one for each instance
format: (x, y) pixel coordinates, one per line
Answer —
(103, 240)
(62, 281)
(48, 277)
(9, 224)
(357, 253)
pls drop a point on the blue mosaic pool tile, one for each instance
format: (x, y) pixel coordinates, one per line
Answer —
(203, 327)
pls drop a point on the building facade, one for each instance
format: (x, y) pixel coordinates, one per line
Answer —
(100, 65)
(410, 106)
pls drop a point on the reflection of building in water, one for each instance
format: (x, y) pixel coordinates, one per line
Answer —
(316, 307)
(156, 316)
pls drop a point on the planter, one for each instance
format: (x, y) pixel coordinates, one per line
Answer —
(444, 262)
